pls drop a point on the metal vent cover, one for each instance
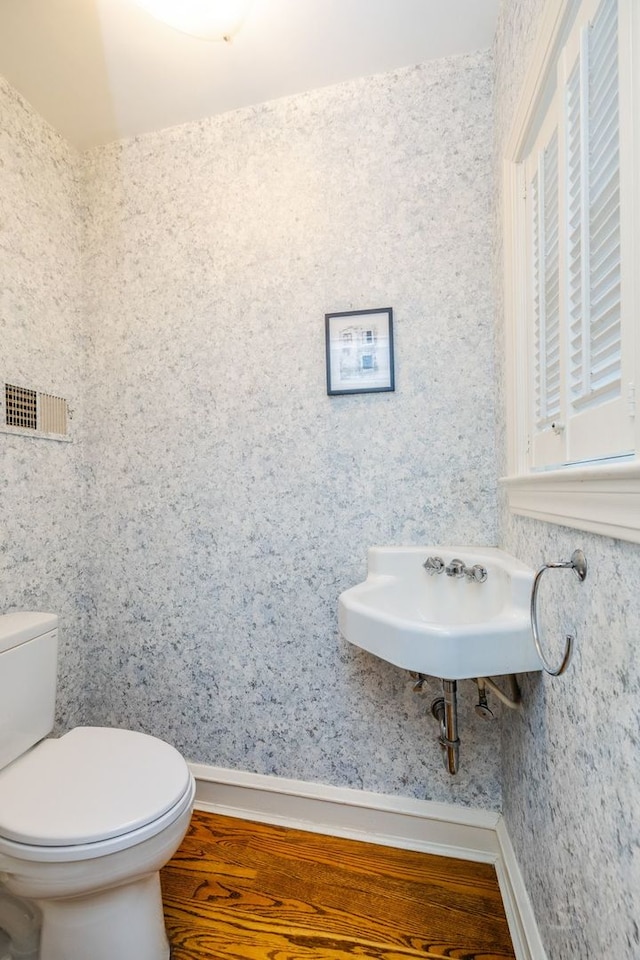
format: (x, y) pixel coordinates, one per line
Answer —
(21, 407)
(29, 412)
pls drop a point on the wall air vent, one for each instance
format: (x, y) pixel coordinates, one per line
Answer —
(28, 412)
(21, 407)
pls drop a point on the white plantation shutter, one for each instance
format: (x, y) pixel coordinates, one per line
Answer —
(581, 411)
(577, 228)
(544, 204)
(548, 320)
(604, 208)
(572, 360)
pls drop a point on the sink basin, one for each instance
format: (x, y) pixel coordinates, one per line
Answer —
(443, 626)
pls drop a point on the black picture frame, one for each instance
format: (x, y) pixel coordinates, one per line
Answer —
(359, 350)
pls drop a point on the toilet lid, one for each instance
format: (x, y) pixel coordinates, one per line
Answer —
(92, 784)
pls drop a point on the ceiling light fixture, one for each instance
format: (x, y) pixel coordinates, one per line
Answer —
(206, 19)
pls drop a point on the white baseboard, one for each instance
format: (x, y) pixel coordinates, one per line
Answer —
(524, 931)
(440, 828)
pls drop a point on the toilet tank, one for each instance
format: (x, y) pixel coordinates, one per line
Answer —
(28, 662)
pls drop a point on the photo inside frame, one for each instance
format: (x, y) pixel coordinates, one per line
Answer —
(359, 351)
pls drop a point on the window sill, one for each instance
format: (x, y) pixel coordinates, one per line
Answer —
(603, 498)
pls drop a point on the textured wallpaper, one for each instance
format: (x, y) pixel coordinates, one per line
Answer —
(41, 346)
(232, 500)
(571, 767)
(195, 536)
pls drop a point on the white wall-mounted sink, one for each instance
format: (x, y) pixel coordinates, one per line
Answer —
(440, 625)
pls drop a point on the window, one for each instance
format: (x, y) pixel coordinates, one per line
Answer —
(572, 234)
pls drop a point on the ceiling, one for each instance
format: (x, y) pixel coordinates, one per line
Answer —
(99, 70)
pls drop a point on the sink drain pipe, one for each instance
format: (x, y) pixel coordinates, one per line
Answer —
(445, 710)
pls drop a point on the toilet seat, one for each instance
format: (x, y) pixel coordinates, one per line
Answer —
(91, 792)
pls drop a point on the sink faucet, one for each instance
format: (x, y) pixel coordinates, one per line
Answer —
(458, 569)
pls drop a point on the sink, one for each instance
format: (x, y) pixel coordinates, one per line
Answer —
(454, 628)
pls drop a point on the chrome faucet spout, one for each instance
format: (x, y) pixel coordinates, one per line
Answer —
(456, 569)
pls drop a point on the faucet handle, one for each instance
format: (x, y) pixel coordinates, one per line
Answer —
(477, 573)
(434, 565)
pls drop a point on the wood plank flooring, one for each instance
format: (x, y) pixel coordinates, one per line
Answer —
(237, 890)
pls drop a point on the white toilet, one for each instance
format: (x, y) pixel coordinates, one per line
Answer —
(87, 820)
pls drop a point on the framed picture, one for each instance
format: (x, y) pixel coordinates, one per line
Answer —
(359, 351)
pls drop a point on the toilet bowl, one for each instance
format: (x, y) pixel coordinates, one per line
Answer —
(87, 821)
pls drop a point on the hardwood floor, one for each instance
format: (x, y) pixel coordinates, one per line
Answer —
(237, 890)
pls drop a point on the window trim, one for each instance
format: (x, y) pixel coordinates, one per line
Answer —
(603, 497)
(600, 498)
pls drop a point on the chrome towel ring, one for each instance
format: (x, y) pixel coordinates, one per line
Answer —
(578, 563)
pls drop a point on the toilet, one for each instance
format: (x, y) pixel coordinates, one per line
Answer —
(86, 820)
